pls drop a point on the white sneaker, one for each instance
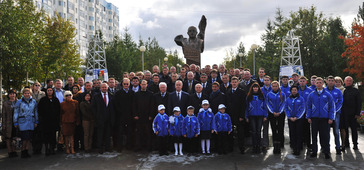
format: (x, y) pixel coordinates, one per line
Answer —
(180, 153)
(176, 153)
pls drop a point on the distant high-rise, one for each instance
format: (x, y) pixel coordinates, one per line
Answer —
(88, 17)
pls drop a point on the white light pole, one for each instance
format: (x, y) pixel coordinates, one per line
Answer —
(253, 47)
(142, 49)
(241, 56)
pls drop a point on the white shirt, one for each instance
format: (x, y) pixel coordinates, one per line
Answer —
(107, 98)
(83, 89)
(135, 89)
(59, 95)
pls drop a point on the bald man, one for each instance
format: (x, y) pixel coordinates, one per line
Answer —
(350, 112)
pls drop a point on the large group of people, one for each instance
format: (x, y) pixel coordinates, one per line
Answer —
(203, 109)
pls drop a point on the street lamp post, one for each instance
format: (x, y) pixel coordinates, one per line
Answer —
(142, 49)
(253, 47)
(241, 56)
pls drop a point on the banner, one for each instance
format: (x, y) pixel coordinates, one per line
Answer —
(100, 74)
(289, 70)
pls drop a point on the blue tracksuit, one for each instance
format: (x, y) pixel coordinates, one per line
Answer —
(320, 105)
(191, 127)
(304, 93)
(255, 107)
(176, 126)
(222, 122)
(338, 98)
(161, 124)
(295, 107)
(266, 90)
(286, 90)
(313, 87)
(206, 120)
(274, 103)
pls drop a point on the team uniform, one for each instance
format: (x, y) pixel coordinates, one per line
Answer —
(222, 127)
(190, 128)
(295, 108)
(206, 121)
(161, 125)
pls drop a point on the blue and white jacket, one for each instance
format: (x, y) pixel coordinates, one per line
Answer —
(295, 107)
(25, 114)
(274, 103)
(191, 127)
(286, 90)
(304, 93)
(175, 126)
(320, 105)
(338, 98)
(222, 122)
(161, 124)
(266, 90)
(206, 120)
(256, 107)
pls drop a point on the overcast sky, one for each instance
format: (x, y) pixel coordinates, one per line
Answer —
(228, 21)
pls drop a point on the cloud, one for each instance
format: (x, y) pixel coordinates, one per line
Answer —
(228, 22)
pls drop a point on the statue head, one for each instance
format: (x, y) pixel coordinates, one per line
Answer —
(192, 32)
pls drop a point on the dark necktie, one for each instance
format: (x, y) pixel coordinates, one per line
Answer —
(178, 96)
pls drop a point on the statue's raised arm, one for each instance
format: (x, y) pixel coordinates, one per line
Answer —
(193, 46)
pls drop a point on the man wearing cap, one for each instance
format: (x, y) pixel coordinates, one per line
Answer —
(236, 102)
(142, 111)
(197, 97)
(178, 98)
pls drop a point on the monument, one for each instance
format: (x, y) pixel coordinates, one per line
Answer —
(193, 46)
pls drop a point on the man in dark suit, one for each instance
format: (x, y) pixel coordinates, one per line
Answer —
(112, 85)
(135, 84)
(247, 82)
(216, 97)
(142, 111)
(235, 105)
(123, 100)
(102, 104)
(206, 86)
(164, 77)
(196, 74)
(171, 86)
(154, 86)
(197, 97)
(225, 83)
(260, 79)
(190, 83)
(160, 97)
(214, 77)
(178, 98)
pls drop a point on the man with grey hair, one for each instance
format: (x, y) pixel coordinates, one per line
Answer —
(350, 112)
(148, 76)
(161, 97)
(197, 97)
(102, 104)
(178, 98)
(190, 83)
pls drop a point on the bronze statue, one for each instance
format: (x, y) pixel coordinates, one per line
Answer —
(194, 45)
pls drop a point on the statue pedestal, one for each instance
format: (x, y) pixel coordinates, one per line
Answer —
(194, 60)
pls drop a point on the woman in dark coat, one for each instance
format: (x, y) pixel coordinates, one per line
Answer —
(48, 111)
(87, 121)
(7, 122)
(70, 117)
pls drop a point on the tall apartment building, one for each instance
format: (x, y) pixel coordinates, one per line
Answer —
(88, 16)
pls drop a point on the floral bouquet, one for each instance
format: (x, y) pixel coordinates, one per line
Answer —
(361, 118)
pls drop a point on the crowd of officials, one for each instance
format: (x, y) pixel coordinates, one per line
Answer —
(205, 110)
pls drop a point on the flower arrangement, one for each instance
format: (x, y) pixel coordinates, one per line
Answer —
(361, 118)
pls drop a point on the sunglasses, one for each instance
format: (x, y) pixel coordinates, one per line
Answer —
(68, 95)
(125, 84)
(37, 85)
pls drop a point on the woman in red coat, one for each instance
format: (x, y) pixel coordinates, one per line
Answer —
(70, 117)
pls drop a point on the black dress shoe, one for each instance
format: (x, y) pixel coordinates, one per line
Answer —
(338, 151)
(313, 155)
(356, 147)
(327, 156)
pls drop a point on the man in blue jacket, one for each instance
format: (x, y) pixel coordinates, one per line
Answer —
(320, 114)
(304, 91)
(338, 99)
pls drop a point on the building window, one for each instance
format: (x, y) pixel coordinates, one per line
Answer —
(110, 20)
(110, 27)
(91, 9)
(60, 3)
(91, 18)
(90, 0)
(91, 27)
